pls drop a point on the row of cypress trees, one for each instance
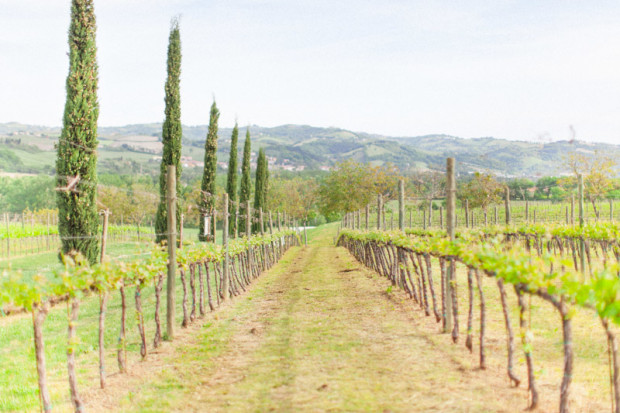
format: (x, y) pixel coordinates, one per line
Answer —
(171, 137)
(76, 163)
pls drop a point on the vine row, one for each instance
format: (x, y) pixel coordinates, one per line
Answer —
(405, 259)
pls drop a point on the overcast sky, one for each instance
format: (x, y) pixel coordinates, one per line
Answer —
(509, 69)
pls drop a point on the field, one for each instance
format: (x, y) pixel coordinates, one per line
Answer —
(19, 389)
(316, 332)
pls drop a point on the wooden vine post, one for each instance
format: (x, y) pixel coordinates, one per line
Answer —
(104, 232)
(181, 230)
(103, 301)
(270, 224)
(527, 211)
(306, 233)
(172, 259)
(225, 275)
(8, 236)
(450, 224)
(467, 213)
(39, 312)
(366, 216)
(582, 244)
(379, 207)
(248, 221)
(401, 204)
(507, 205)
(237, 219)
(441, 217)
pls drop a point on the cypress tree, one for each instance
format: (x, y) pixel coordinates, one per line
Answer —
(245, 191)
(172, 131)
(231, 184)
(76, 162)
(207, 201)
(259, 187)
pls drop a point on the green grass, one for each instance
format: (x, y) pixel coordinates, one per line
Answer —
(326, 339)
(328, 336)
(18, 379)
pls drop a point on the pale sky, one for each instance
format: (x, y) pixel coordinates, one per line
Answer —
(509, 69)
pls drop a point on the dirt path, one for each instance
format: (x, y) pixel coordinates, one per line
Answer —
(320, 333)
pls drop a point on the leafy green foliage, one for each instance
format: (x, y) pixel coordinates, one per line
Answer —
(172, 130)
(547, 274)
(260, 188)
(76, 276)
(245, 190)
(207, 201)
(351, 186)
(76, 149)
(231, 183)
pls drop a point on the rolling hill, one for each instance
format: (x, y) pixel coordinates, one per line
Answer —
(136, 149)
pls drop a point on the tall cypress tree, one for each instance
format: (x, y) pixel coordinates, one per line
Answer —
(259, 187)
(207, 200)
(245, 191)
(76, 162)
(172, 131)
(231, 184)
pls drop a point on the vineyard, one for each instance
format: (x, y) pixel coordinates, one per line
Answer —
(135, 276)
(207, 273)
(569, 268)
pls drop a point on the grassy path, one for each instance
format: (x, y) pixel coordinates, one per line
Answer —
(318, 333)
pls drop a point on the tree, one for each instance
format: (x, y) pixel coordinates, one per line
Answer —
(32, 192)
(245, 191)
(76, 163)
(297, 197)
(207, 202)
(544, 186)
(428, 185)
(260, 188)
(598, 172)
(519, 188)
(481, 191)
(351, 186)
(172, 131)
(231, 183)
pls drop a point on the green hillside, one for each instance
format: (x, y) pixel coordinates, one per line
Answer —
(137, 149)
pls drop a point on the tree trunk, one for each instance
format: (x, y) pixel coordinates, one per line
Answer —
(185, 322)
(470, 314)
(201, 301)
(192, 284)
(39, 312)
(159, 281)
(483, 365)
(527, 349)
(425, 295)
(140, 317)
(208, 276)
(442, 268)
(103, 303)
(613, 348)
(121, 353)
(429, 273)
(567, 333)
(510, 344)
(455, 307)
(71, 343)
